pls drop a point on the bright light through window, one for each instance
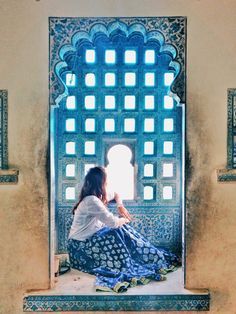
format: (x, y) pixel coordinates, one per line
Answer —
(110, 102)
(70, 170)
(148, 193)
(149, 102)
(149, 56)
(70, 79)
(130, 56)
(119, 157)
(70, 125)
(130, 79)
(168, 78)
(129, 102)
(70, 193)
(70, 102)
(110, 56)
(89, 102)
(110, 79)
(90, 79)
(167, 193)
(168, 102)
(70, 148)
(90, 56)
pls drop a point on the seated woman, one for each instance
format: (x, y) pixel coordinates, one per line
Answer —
(106, 246)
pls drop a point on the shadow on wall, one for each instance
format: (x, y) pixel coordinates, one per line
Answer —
(199, 202)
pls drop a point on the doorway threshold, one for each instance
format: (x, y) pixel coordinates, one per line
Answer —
(74, 291)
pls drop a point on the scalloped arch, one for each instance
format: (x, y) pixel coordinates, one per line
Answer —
(90, 36)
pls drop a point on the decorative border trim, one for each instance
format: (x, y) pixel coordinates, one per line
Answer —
(229, 174)
(63, 29)
(231, 126)
(9, 176)
(64, 303)
(3, 129)
(226, 175)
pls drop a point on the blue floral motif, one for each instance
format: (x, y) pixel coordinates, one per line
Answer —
(118, 257)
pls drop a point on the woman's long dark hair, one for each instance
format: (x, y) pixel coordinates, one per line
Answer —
(94, 184)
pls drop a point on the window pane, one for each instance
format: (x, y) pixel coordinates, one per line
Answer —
(148, 170)
(70, 125)
(109, 125)
(130, 56)
(70, 79)
(70, 102)
(70, 148)
(129, 125)
(119, 157)
(168, 102)
(168, 125)
(89, 102)
(148, 193)
(168, 148)
(90, 56)
(148, 148)
(149, 125)
(149, 102)
(70, 193)
(168, 78)
(130, 79)
(110, 102)
(70, 170)
(167, 193)
(89, 148)
(129, 102)
(87, 167)
(90, 125)
(90, 79)
(167, 170)
(149, 56)
(110, 56)
(149, 79)
(110, 79)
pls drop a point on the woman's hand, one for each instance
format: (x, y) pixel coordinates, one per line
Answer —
(124, 212)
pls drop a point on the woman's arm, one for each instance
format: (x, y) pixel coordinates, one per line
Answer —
(121, 209)
(99, 210)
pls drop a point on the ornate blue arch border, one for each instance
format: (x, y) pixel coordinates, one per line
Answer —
(171, 33)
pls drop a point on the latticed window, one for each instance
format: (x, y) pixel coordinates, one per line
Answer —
(118, 110)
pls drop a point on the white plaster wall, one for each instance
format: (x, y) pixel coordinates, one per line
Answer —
(211, 206)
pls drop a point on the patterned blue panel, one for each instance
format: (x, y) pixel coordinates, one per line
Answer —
(69, 40)
(169, 31)
(190, 302)
(6, 176)
(231, 136)
(9, 178)
(3, 130)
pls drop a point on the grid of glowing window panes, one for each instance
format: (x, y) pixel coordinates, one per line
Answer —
(121, 92)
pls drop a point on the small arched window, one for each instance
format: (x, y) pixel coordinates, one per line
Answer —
(120, 171)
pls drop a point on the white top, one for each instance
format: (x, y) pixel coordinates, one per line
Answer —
(90, 216)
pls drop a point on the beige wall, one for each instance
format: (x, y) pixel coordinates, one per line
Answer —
(211, 206)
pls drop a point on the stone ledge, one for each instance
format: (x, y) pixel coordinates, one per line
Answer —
(195, 301)
(226, 175)
(9, 176)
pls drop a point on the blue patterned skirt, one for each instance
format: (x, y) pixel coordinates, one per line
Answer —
(120, 258)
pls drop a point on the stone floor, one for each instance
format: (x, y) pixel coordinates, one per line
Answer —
(76, 283)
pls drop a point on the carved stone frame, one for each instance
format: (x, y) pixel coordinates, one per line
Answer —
(229, 174)
(7, 176)
(174, 30)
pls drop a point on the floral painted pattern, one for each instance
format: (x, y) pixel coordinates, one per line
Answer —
(120, 258)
